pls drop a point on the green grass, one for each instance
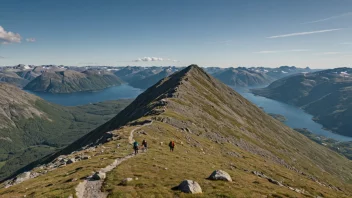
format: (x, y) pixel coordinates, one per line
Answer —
(189, 162)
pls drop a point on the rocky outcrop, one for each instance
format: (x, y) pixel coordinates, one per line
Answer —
(99, 176)
(20, 178)
(220, 175)
(189, 186)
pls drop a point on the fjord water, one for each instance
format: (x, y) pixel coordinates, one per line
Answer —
(296, 117)
(123, 91)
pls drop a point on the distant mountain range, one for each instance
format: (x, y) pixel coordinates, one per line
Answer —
(64, 79)
(243, 77)
(72, 81)
(325, 94)
(144, 77)
(253, 76)
(31, 128)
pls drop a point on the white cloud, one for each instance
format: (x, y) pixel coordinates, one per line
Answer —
(333, 53)
(153, 59)
(266, 52)
(299, 50)
(9, 37)
(303, 33)
(329, 18)
(280, 51)
(147, 59)
(31, 40)
(346, 43)
(330, 53)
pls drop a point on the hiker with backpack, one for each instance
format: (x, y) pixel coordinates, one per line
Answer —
(135, 147)
(172, 146)
(145, 145)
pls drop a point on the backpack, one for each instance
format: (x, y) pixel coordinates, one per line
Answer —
(135, 144)
(172, 144)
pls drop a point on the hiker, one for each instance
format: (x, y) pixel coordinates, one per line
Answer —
(145, 145)
(135, 147)
(172, 145)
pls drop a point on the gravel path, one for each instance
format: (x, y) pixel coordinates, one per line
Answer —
(90, 188)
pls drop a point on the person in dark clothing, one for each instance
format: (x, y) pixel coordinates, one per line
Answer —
(172, 145)
(135, 147)
(145, 145)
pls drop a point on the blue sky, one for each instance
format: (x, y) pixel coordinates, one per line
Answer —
(315, 33)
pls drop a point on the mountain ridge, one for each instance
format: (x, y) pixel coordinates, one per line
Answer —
(214, 127)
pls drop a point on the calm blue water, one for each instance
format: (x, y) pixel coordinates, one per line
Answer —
(81, 98)
(296, 117)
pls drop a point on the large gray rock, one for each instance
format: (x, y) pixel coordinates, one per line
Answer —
(99, 176)
(126, 181)
(220, 175)
(189, 186)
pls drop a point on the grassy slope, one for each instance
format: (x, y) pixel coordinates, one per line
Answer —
(226, 132)
(34, 138)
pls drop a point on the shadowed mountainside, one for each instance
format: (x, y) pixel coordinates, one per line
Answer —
(327, 95)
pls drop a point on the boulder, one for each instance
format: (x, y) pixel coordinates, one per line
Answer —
(220, 175)
(70, 161)
(189, 186)
(85, 157)
(99, 176)
(125, 181)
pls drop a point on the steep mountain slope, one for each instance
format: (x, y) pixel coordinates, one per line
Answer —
(325, 94)
(28, 74)
(12, 78)
(243, 77)
(72, 81)
(31, 128)
(214, 128)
